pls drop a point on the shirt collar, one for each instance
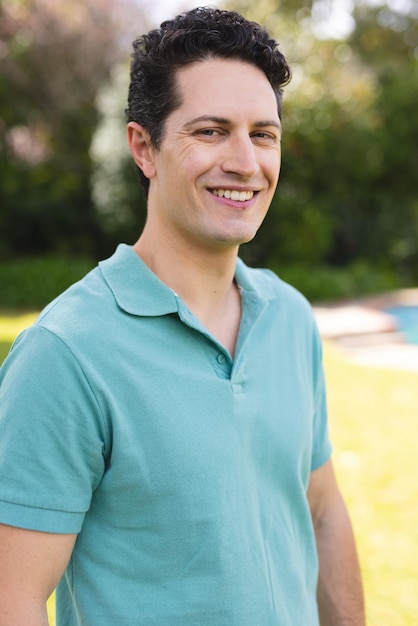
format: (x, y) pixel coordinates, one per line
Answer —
(138, 291)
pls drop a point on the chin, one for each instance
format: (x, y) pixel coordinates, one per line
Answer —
(246, 237)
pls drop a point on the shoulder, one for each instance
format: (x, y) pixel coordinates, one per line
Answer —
(72, 325)
(90, 306)
(84, 300)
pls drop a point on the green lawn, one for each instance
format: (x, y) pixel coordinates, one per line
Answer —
(374, 427)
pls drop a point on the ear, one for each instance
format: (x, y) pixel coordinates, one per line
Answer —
(141, 148)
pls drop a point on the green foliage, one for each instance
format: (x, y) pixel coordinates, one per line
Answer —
(347, 192)
(119, 201)
(51, 72)
(322, 283)
(33, 282)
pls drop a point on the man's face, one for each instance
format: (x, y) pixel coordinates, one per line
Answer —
(217, 167)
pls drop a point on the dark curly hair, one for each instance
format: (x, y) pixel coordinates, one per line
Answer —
(195, 35)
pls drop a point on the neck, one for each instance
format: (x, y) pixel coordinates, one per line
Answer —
(196, 273)
(203, 278)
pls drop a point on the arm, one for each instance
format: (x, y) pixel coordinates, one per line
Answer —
(340, 594)
(31, 565)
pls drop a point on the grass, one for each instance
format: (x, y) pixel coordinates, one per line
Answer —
(374, 427)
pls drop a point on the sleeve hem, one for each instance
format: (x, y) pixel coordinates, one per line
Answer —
(43, 520)
(321, 457)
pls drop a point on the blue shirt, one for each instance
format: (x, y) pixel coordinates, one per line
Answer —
(183, 471)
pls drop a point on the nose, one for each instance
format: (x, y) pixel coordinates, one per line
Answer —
(240, 157)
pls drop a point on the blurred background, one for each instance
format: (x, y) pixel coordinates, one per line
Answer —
(345, 217)
(343, 223)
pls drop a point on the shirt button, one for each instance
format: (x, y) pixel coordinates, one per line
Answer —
(221, 359)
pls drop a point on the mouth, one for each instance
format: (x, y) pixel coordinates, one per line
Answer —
(233, 194)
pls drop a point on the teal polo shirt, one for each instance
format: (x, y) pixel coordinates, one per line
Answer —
(183, 472)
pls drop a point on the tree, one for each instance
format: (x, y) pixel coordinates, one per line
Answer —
(54, 58)
(347, 189)
(387, 43)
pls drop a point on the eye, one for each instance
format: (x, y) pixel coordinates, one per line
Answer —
(209, 132)
(265, 136)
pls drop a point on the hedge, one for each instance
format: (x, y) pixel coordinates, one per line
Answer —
(31, 283)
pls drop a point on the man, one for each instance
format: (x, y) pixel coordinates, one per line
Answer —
(164, 449)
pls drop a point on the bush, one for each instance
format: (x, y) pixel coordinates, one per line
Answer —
(31, 283)
(331, 283)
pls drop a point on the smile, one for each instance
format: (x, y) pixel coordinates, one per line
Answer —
(233, 194)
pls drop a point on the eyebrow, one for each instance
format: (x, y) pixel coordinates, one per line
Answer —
(226, 121)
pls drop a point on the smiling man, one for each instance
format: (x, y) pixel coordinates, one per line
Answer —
(164, 453)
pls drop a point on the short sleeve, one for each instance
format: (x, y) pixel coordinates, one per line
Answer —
(52, 436)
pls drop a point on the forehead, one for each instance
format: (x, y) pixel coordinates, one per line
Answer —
(225, 87)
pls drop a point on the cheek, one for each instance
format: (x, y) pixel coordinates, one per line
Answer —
(200, 159)
(270, 164)
(275, 171)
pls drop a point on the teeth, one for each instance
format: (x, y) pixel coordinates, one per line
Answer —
(233, 194)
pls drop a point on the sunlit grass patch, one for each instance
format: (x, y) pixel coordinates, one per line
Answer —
(374, 427)
(12, 324)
